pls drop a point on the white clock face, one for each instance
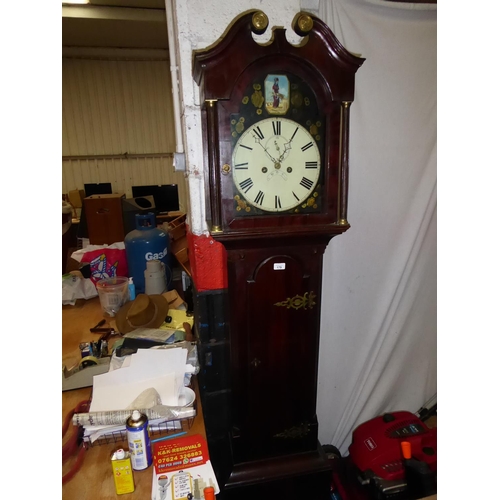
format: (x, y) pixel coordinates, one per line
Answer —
(276, 164)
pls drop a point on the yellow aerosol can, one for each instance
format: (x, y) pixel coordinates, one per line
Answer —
(122, 472)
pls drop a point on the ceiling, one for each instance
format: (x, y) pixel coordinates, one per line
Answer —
(115, 23)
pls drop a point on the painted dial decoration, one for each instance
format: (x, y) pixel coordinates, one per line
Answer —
(276, 165)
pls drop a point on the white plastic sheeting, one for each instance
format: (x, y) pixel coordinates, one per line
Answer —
(378, 343)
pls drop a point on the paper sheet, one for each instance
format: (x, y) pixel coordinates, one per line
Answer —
(162, 369)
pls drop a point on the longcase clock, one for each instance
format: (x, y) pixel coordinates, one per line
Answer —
(276, 142)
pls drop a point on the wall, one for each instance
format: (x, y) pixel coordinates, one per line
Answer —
(117, 120)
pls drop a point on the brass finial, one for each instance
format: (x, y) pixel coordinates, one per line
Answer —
(303, 24)
(259, 22)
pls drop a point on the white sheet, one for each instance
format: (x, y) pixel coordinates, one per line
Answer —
(379, 280)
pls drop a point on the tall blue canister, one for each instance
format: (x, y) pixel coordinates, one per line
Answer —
(147, 242)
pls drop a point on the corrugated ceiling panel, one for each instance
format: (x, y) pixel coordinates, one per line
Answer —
(115, 106)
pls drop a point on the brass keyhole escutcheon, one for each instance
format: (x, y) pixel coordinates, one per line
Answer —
(226, 169)
(256, 362)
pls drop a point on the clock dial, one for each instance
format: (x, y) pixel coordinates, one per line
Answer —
(276, 165)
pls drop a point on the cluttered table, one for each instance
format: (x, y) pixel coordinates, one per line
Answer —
(94, 478)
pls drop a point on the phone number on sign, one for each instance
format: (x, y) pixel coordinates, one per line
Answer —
(181, 457)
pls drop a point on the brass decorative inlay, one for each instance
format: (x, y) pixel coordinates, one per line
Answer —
(297, 99)
(343, 222)
(305, 301)
(258, 98)
(226, 169)
(210, 102)
(310, 202)
(240, 126)
(260, 21)
(256, 362)
(296, 432)
(216, 229)
(241, 204)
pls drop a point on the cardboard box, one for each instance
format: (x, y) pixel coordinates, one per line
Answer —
(175, 224)
(181, 253)
(76, 197)
(174, 300)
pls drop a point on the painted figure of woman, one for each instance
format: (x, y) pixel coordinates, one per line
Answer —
(276, 93)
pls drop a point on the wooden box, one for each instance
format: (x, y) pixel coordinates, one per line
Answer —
(104, 216)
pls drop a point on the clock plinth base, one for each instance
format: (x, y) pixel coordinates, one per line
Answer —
(299, 476)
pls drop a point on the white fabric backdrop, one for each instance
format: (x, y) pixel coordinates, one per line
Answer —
(378, 343)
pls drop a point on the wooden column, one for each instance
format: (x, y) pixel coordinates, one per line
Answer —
(343, 164)
(214, 164)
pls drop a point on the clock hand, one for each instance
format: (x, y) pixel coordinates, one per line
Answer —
(257, 140)
(288, 147)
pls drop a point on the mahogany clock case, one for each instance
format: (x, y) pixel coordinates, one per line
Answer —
(259, 339)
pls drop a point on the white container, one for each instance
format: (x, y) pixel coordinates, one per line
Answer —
(154, 278)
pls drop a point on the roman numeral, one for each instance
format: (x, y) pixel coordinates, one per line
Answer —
(246, 185)
(311, 164)
(259, 198)
(305, 182)
(277, 128)
(307, 146)
(241, 166)
(277, 202)
(295, 196)
(258, 132)
(246, 147)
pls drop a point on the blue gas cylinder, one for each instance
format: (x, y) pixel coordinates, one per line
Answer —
(147, 242)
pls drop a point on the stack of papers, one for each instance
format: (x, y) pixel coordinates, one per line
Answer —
(160, 369)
